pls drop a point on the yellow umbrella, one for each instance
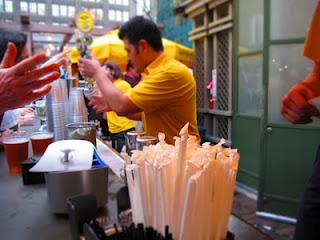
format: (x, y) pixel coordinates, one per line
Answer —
(110, 47)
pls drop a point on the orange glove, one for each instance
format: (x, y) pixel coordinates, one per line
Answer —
(295, 105)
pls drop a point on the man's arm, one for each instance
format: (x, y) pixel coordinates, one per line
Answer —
(295, 105)
(117, 101)
(135, 116)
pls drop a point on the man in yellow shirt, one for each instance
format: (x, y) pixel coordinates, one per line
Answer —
(167, 93)
(117, 125)
(296, 108)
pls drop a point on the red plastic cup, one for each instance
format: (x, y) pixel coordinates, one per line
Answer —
(16, 149)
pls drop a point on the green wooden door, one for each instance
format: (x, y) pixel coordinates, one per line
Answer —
(287, 150)
(276, 156)
(248, 89)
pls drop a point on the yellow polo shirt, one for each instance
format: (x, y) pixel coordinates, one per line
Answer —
(312, 43)
(167, 96)
(117, 123)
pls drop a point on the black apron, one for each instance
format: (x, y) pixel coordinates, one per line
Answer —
(308, 221)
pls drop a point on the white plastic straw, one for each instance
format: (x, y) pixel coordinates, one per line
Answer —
(188, 187)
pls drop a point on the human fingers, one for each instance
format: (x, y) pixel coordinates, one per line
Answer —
(10, 56)
(39, 72)
(295, 120)
(63, 62)
(294, 117)
(25, 111)
(97, 103)
(92, 100)
(37, 94)
(82, 62)
(85, 64)
(29, 63)
(43, 81)
(27, 119)
(7, 133)
(287, 103)
(100, 108)
(300, 104)
(29, 110)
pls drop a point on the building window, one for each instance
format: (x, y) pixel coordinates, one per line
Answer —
(112, 15)
(125, 16)
(119, 16)
(41, 9)
(92, 11)
(23, 6)
(33, 7)
(119, 2)
(71, 11)
(125, 2)
(99, 14)
(63, 10)
(8, 6)
(55, 10)
(112, 1)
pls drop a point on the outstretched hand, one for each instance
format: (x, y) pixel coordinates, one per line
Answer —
(24, 82)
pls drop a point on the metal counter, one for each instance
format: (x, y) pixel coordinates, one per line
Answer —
(25, 213)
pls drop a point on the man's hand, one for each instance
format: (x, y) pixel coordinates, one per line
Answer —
(295, 106)
(24, 111)
(23, 82)
(6, 133)
(26, 119)
(89, 67)
(99, 103)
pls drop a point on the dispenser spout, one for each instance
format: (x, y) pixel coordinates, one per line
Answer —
(66, 152)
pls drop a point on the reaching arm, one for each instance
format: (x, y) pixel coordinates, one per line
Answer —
(135, 116)
(116, 100)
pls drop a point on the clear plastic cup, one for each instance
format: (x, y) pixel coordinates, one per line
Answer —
(40, 141)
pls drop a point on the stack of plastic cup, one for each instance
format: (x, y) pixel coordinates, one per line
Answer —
(57, 108)
(77, 108)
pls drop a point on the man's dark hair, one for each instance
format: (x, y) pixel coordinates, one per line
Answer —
(114, 66)
(18, 38)
(138, 28)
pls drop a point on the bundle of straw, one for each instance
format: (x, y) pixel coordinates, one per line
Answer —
(186, 186)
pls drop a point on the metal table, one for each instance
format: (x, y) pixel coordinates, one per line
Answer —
(25, 213)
